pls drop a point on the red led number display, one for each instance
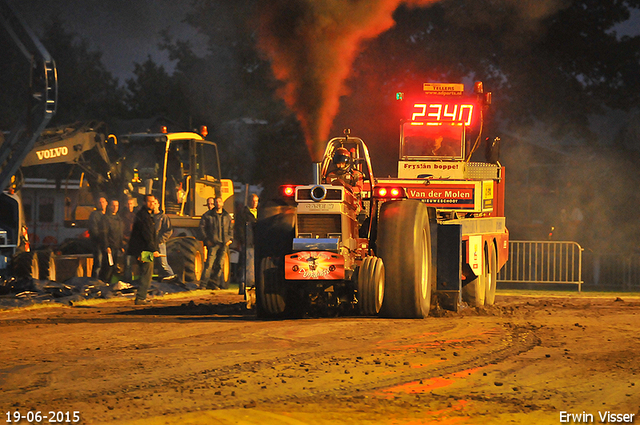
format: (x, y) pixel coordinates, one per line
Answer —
(443, 112)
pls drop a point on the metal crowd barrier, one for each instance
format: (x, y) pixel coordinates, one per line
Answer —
(555, 262)
(613, 270)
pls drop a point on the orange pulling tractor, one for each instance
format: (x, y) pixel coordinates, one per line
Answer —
(352, 243)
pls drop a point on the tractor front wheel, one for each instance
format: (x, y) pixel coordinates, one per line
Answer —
(271, 292)
(371, 280)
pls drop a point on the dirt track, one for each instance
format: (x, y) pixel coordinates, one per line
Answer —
(203, 359)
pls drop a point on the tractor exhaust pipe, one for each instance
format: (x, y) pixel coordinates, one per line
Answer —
(316, 173)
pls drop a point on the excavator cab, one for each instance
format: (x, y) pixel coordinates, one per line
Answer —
(182, 169)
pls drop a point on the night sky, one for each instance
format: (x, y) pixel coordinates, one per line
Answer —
(124, 31)
(127, 31)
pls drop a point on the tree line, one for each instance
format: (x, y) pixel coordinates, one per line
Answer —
(559, 66)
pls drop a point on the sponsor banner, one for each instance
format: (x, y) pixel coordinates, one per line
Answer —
(313, 265)
(436, 169)
(443, 89)
(459, 196)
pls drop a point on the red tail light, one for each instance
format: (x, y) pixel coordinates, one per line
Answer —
(390, 192)
(288, 191)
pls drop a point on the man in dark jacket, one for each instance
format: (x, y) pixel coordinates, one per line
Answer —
(98, 236)
(143, 246)
(115, 249)
(163, 233)
(215, 226)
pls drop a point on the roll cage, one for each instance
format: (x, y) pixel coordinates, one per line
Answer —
(360, 159)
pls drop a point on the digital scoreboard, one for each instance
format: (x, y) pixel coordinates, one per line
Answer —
(437, 120)
(450, 112)
(441, 103)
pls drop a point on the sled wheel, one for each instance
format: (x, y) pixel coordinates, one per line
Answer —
(491, 273)
(474, 292)
(404, 244)
(371, 286)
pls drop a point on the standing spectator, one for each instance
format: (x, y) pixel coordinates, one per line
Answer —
(243, 234)
(245, 222)
(253, 208)
(143, 246)
(128, 216)
(163, 233)
(215, 226)
(115, 248)
(98, 236)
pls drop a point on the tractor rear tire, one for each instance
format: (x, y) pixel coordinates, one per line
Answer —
(46, 265)
(371, 278)
(404, 244)
(184, 254)
(25, 265)
(491, 275)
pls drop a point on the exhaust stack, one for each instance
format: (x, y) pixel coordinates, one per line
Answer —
(316, 173)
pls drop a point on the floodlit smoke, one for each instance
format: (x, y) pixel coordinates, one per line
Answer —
(312, 45)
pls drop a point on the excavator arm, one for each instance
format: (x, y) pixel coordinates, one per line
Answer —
(66, 144)
(43, 94)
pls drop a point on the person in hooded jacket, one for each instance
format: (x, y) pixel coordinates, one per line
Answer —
(115, 247)
(163, 233)
(143, 246)
(217, 232)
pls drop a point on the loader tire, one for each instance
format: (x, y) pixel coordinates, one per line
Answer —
(226, 270)
(404, 244)
(371, 281)
(25, 265)
(46, 265)
(184, 254)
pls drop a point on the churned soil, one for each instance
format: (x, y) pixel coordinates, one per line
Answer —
(203, 358)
